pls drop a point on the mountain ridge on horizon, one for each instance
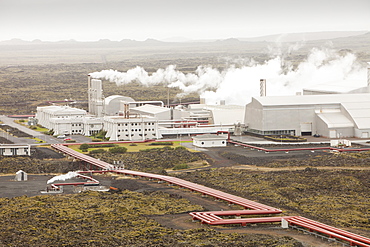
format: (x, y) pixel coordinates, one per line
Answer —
(284, 37)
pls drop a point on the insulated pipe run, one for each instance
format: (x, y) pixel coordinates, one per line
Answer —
(212, 218)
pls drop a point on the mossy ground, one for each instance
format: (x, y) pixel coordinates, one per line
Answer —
(109, 219)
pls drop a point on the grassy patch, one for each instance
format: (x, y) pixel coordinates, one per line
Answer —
(132, 148)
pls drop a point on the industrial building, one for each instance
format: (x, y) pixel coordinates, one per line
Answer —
(332, 115)
(326, 110)
(121, 128)
(123, 118)
(67, 120)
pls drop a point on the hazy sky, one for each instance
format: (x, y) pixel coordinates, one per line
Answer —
(89, 20)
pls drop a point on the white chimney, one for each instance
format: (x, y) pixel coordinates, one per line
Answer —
(263, 87)
(368, 74)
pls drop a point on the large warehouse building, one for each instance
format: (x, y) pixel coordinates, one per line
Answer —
(333, 115)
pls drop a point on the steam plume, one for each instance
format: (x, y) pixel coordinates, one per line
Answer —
(62, 177)
(238, 85)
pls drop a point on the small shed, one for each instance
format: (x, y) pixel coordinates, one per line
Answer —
(20, 176)
(15, 149)
(340, 143)
(209, 140)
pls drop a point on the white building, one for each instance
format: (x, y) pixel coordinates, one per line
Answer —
(164, 114)
(14, 150)
(112, 104)
(68, 120)
(130, 129)
(209, 140)
(216, 114)
(332, 115)
(51, 116)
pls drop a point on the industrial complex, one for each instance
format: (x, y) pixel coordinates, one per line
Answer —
(318, 111)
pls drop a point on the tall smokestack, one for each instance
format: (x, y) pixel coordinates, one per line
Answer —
(368, 74)
(262, 87)
(89, 91)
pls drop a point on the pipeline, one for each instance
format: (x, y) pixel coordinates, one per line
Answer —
(213, 217)
(299, 149)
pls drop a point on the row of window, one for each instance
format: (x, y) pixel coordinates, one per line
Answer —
(133, 130)
(134, 124)
(133, 135)
(273, 132)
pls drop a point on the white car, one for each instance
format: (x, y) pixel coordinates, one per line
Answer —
(61, 136)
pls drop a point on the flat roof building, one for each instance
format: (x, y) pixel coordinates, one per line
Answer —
(209, 140)
(331, 115)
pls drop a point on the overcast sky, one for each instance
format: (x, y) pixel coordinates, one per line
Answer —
(90, 20)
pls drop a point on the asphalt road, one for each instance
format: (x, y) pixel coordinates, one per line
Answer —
(48, 139)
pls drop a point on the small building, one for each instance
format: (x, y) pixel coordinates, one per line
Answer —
(20, 176)
(209, 140)
(14, 150)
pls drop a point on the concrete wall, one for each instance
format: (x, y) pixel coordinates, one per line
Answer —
(209, 143)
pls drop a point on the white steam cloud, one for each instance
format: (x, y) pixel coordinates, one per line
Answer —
(62, 177)
(238, 85)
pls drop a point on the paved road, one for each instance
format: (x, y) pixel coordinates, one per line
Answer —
(10, 121)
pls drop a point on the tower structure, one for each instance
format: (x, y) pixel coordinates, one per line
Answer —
(263, 87)
(95, 97)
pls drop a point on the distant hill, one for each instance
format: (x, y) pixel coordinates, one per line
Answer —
(289, 37)
(294, 37)
(16, 51)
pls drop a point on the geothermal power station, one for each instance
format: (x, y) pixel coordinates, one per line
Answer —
(323, 110)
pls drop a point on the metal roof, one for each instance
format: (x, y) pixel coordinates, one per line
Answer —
(337, 86)
(313, 99)
(62, 110)
(335, 120)
(209, 137)
(360, 113)
(150, 109)
(108, 99)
